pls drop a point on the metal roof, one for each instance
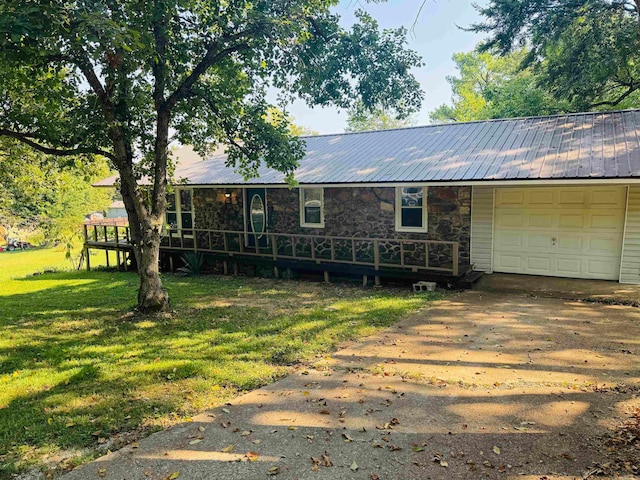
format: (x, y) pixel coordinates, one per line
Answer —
(574, 146)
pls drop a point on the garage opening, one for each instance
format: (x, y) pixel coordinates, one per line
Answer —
(571, 232)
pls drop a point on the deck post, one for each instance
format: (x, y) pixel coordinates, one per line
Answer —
(376, 260)
(365, 280)
(225, 267)
(171, 263)
(117, 246)
(455, 259)
(106, 254)
(276, 272)
(326, 277)
(88, 261)
(86, 233)
(235, 268)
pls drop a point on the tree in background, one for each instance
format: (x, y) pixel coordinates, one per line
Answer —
(115, 78)
(275, 116)
(584, 52)
(45, 194)
(361, 118)
(490, 86)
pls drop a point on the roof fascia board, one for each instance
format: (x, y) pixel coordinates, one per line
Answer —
(486, 183)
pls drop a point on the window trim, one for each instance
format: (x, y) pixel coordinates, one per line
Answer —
(303, 223)
(178, 212)
(425, 215)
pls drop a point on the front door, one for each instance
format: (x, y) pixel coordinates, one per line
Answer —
(256, 217)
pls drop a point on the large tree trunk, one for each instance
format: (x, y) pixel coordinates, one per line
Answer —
(152, 297)
(145, 230)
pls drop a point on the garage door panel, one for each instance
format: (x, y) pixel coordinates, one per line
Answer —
(608, 197)
(602, 269)
(513, 263)
(539, 264)
(606, 221)
(510, 197)
(507, 240)
(571, 220)
(544, 220)
(572, 197)
(587, 224)
(602, 245)
(540, 197)
(512, 219)
(570, 267)
(539, 241)
(570, 245)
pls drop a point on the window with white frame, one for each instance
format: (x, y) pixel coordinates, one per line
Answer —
(180, 212)
(312, 207)
(411, 209)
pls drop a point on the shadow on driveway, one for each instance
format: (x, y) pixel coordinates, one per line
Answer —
(483, 384)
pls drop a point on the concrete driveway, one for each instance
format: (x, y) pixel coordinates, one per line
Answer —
(484, 384)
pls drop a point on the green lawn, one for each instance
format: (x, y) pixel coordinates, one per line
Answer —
(79, 373)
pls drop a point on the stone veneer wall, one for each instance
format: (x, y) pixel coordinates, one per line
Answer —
(349, 212)
(213, 213)
(370, 212)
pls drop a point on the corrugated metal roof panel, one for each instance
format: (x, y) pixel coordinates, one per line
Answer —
(585, 145)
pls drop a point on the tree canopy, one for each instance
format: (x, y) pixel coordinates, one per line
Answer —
(115, 77)
(586, 52)
(492, 86)
(362, 118)
(45, 194)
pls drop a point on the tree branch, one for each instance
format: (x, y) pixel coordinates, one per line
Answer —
(612, 103)
(158, 202)
(26, 139)
(212, 56)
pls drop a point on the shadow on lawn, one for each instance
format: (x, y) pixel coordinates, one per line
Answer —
(492, 387)
(79, 371)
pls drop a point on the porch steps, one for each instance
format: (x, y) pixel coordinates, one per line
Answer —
(469, 280)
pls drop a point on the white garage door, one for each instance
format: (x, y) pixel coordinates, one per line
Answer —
(559, 231)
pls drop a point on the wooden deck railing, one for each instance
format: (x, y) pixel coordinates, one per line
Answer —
(414, 255)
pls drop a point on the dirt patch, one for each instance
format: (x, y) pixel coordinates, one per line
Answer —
(483, 385)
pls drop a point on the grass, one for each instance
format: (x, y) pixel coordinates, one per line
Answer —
(79, 373)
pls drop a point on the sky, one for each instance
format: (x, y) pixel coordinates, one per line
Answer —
(436, 37)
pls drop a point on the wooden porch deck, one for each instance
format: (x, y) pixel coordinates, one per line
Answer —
(420, 259)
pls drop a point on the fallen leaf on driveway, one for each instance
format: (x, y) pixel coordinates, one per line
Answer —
(496, 450)
(273, 471)
(326, 461)
(228, 449)
(354, 466)
(252, 456)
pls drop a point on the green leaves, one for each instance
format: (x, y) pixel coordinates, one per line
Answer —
(490, 86)
(586, 52)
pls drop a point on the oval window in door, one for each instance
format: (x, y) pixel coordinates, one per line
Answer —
(257, 215)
